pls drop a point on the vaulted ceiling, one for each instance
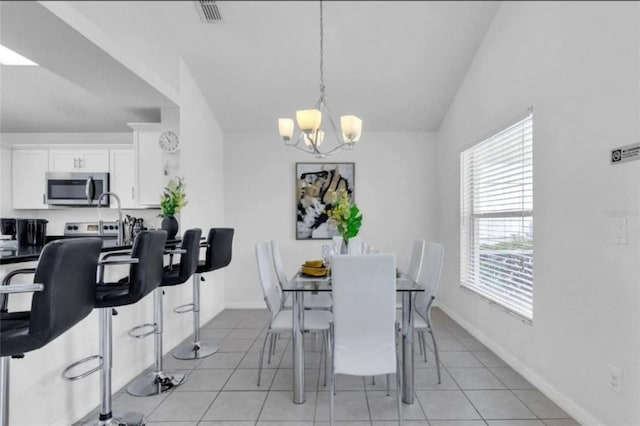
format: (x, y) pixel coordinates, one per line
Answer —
(396, 64)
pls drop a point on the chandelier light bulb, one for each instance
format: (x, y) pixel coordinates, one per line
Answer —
(317, 136)
(351, 128)
(285, 126)
(309, 120)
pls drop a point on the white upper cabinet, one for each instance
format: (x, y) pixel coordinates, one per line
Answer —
(28, 169)
(123, 177)
(67, 160)
(149, 162)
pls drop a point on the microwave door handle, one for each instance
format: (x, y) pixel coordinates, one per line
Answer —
(89, 190)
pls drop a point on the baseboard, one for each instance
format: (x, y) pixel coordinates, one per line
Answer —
(563, 401)
(245, 305)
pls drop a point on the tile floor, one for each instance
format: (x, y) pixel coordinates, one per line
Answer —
(477, 388)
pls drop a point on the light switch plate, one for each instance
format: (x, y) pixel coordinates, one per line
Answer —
(620, 230)
(615, 379)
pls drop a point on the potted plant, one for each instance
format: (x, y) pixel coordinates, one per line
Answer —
(345, 215)
(171, 202)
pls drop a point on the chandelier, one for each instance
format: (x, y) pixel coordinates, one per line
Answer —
(309, 121)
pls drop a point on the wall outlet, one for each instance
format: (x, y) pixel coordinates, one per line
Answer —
(614, 380)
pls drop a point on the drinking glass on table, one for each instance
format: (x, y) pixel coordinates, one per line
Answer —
(327, 252)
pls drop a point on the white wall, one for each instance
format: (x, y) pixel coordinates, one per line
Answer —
(394, 188)
(577, 64)
(6, 210)
(27, 138)
(201, 158)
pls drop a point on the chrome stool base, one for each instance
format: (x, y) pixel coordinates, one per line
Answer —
(155, 383)
(193, 351)
(125, 419)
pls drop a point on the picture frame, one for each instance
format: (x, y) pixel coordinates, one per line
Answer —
(314, 185)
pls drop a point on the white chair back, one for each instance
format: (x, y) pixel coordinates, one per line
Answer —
(364, 289)
(277, 262)
(415, 265)
(435, 256)
(268, 278)
(355, 245)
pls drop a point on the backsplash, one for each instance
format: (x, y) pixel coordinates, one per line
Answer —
(58, 217)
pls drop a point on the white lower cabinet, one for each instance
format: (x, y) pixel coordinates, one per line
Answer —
(28, 169)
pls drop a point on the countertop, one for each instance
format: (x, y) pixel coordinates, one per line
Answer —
(32, 253)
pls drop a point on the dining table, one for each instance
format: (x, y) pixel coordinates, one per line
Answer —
(301, 284)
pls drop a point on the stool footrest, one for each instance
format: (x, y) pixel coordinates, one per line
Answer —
(85, 374)
(183, 309)
(133, 332)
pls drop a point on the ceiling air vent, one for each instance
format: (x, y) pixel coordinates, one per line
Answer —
(208, 10)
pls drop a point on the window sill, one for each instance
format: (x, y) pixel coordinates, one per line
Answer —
(524, 319)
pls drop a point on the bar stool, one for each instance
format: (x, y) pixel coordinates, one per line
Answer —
(145, 274)
(219, 244)
(158, 381)
(63, 296)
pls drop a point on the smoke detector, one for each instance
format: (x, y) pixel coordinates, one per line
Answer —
(208, 11)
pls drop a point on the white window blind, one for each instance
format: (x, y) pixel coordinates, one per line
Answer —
(496, 228)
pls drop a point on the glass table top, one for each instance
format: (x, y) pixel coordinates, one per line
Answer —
(316, 284)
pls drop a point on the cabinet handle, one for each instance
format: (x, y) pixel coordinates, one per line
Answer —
(132, 193)
(44, 199)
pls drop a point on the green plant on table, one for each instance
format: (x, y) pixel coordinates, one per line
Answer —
(173, 199)
(345, 215)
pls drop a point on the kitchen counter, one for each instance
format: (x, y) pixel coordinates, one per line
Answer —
(32, 253)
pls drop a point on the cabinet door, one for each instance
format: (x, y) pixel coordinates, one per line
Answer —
(150, 167)
(96, 160)
(63, 160)
(28, 178)
(123, 174)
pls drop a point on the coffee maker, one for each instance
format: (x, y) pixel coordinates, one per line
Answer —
(8, 228)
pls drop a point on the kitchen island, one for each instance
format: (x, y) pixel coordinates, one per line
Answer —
(32, 253)
(36, 379)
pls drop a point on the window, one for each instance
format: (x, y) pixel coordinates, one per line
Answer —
(496, 227)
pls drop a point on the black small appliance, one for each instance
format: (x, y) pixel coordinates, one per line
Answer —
(8, 227)
(31, 232)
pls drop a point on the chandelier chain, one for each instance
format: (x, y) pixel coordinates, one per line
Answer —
(321, 52)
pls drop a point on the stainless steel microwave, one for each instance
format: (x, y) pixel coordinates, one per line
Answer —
(76, 189)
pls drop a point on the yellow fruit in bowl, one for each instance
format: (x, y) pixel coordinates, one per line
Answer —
(314, 272)
(314, 263)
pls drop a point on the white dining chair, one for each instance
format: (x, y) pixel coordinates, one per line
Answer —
(363, 331)
(311, 301)
(355, 245)
(316, 321)
(415, 264)
(424, 300)
(415, 267)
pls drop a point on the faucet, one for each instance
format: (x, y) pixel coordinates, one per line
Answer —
(120, 239)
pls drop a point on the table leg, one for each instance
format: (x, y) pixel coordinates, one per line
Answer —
(407, 347)
(298, 347)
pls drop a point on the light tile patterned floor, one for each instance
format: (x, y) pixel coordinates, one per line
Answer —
(477, 387)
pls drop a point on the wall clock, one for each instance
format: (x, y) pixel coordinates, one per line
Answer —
(169, 141)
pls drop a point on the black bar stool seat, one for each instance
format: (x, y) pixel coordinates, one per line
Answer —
(158, 381)
(218, 255)
(145, 274)
(63, 296)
